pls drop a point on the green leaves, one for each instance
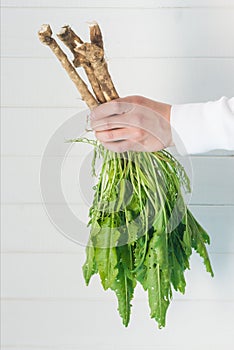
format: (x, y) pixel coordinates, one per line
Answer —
(141, 229)
(157, 278)
(124, 289)
(106, 260)
(125, 283)
(105, 255)
(199, 239)
(89, 267)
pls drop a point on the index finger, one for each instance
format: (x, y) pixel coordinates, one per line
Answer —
(110, 108)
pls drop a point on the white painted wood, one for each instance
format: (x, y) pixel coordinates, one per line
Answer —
(27, 229)
(180, 347)
(103, 348)
(128, 32)
(27, 131)
(97, 325)
(45, 84)
(116, 347)
(117, 3)
(170, 50)
(212, 180)
(43, 276)
(219, 223)
(208, 184)
(21, 234)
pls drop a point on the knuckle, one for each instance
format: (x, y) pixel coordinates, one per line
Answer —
(109, 135)
(138, 118)
(111, 123)
(139, 133)
(115, 107)
(107, 125)
(104, 136)
(138, 99)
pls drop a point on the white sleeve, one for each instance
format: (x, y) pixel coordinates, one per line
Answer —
(203, 127)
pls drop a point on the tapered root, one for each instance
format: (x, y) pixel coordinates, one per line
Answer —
(45, 36)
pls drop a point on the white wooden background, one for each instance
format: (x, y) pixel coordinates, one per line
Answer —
(175, 51)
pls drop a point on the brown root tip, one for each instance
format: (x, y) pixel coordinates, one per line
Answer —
(63, 31)
(45, 30)
(92, 24)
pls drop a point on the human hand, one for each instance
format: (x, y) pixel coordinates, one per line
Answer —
(133, 123)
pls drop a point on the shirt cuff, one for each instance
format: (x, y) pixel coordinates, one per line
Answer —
(202, 127)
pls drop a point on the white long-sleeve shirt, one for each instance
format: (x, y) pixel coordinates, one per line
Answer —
(203, 127)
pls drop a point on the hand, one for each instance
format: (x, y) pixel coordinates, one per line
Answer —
(133, 123)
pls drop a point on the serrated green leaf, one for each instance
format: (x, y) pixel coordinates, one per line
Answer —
(89, 267)
(139, 194)
(124, 290)
(199, 238)
(157, 280)
(177, 274)
(106, 256)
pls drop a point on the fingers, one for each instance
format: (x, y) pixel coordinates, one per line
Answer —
(122, 139)
(131, 118)
(123, 146)
(109, 123)
(110, 108)
(118, 147)
(119, 134)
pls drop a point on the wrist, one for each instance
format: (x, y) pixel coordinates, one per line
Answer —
(168, 117)
(165, 111)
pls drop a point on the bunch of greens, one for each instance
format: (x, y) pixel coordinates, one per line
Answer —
(141, 229)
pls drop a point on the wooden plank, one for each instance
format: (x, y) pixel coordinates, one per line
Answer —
(170, 80)
(103, 347)
(212, 180)
(94, 324)
(116, 348)
(43, 123)
(117, 3)
(21, 234)
(165, 32)
(219, 223)
(59, 276)
(28, 130)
